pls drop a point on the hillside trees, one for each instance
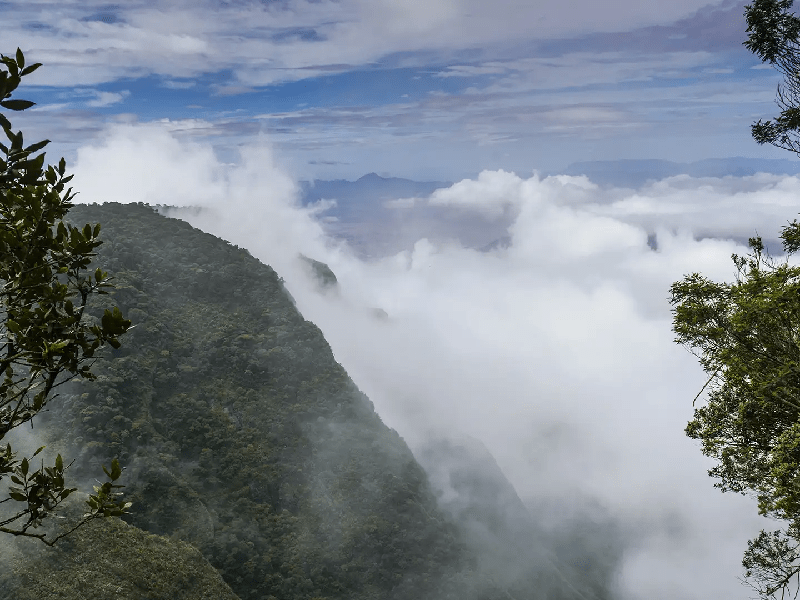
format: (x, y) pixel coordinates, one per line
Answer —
(47, 337)
(747, 338)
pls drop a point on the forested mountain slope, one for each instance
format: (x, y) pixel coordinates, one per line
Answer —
(240, 432)
(241, 435)
(107, 558)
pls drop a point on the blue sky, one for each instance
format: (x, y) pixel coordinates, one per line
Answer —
(428, 90)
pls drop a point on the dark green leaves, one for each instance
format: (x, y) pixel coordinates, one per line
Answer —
(30, 69)
(747, 337)
(115, 472)
(45, 285)
(16, 104)
(37, 146)
(774, 35)
(791, 237)
(114, 323)
(105, 501)
(771, 28)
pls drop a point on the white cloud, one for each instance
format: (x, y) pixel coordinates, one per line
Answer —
(178, 85)
(556, 352)
(472, 70)
(182, 39)
(102, 99)
(583, 69)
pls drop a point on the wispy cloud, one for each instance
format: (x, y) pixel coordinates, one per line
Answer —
(102, 99)
(469, 83)
(178, 85)
(185, 39)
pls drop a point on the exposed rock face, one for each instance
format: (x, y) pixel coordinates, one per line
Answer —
(322, 274)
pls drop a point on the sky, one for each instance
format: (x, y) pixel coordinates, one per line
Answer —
(435, 90)
(553, 348)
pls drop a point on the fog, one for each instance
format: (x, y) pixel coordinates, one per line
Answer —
(554, 349)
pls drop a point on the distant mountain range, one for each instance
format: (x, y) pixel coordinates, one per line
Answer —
(365, 196)
(362, 217)
(373, 228)
(361, 199)
(635, 173)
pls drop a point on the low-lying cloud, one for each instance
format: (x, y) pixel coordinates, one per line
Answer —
(554, 349)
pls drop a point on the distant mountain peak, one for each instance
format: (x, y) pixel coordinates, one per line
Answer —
(371, 177)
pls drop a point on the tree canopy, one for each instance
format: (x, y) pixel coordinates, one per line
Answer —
(747, 338)
(773, 34)
(46, 335)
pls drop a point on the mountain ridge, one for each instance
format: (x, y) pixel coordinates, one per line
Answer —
(242, 436)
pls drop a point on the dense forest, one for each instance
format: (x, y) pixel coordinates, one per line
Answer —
(242, 437)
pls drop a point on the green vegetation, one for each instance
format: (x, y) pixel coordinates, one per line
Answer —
(244, 437)
(773, 34)
(321, 272)
(109, 559)
(241, 433)
(747, 337)
(45, 340)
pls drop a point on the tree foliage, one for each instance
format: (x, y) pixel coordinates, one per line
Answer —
(773, 33)
(747, 338)
(46, 336)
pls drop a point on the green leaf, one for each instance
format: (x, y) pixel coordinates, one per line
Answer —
(18, 496)
(38, 450)
(114, 323)
(37, 146)
(59, 463)
(29, 69)
(20, 59)
(12, 67)
(16, 104)
(24, 466)
(116, 470)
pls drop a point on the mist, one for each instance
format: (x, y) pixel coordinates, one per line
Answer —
(553, 349)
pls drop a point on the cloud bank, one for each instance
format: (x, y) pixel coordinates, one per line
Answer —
(554, 350)
(96, 42)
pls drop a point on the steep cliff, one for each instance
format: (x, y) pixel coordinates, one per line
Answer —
(242, 435)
